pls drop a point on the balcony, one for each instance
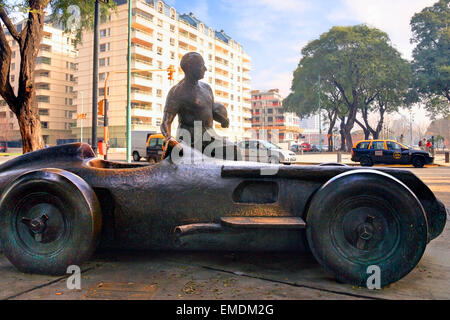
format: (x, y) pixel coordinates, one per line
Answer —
(141, 64)
(223, 63)
(139, 49)
(136, 112)
(143, 96)
(142, 21)
(142, 81)
(142, 37)
(246, 67)
(246, 76)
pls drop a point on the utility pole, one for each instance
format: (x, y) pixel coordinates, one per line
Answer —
(320, 122)
(95, 77)
(130, 4)
(82, 110)
(410, 127)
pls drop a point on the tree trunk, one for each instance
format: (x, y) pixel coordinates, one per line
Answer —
(342, 132)
(30, 127)
(23, 105)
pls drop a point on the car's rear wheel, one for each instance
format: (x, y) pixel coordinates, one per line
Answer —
(274, 160)
(136, 156)
(50, 219)
(366, 162)
(361, 219)
(418, 162)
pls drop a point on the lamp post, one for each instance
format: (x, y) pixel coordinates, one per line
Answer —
(95, 77)
(82, 110)
(130, 3)
(320, 122)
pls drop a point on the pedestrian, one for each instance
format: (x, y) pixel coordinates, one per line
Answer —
(424, 144)
(429, 146)
(420, 145)
(402, 138)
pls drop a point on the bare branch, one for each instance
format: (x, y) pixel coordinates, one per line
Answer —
(6, 90)
(8, 23)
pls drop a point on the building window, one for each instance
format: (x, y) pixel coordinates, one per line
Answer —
(102, 33)
(172, 41)
(101, 76)
(159, 37)
(160, 23)
(172, 55)
(160, 7)
(44, 124)
(43, 86)
(159, 93)
(44, 112)
(13, 77)
(159, 51)
(172, 14)
(172, 28)
(43, 99)
(103, 47)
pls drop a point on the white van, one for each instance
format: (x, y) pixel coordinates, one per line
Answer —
(139, 144)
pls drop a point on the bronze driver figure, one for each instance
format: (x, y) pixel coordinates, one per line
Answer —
(193, 100)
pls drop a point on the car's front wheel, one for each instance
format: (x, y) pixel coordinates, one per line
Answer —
(136, 156)
(361, 221)
(49, 219)
(418, 162)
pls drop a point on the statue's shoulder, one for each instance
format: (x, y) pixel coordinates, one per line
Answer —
(204, 86)
(176, 89)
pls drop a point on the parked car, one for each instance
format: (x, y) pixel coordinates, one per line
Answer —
(306, 147)
(139, 144)
(3, 147)
(155, 148)
(264, 151)
(368, 152)
(58, 203)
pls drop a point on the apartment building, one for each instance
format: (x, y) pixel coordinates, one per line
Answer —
(269, 118)
(55, 80)
(160, 38)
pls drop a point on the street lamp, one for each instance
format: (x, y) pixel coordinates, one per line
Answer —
(95, 74)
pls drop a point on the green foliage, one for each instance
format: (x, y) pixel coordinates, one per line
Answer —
(431, 33)
(358, 67)
(63, 13)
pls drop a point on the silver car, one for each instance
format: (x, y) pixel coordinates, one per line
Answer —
(264, 151)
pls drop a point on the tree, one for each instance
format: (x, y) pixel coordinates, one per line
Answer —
(23, 103)
(431, 64)
(387, 90)
(348, 60)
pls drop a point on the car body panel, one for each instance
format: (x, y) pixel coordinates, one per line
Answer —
(388, 152)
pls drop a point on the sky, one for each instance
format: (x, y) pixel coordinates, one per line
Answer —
(273, 32)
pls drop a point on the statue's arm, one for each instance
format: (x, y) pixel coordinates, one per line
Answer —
(170, 112)
(167, 124)
(220, 114)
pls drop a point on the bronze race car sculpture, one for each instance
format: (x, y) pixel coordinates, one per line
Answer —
(59, 203)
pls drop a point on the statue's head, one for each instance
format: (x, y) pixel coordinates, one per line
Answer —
(193, 65)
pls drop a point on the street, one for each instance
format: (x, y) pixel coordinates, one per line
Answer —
(227, 275)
